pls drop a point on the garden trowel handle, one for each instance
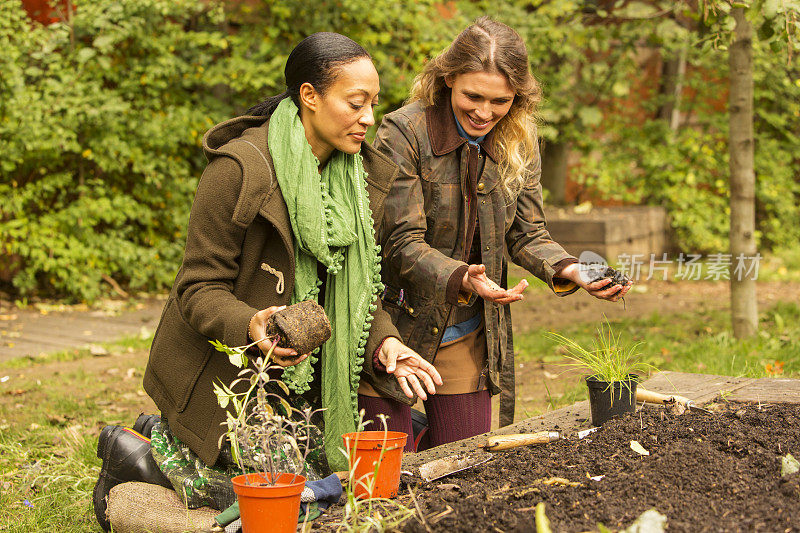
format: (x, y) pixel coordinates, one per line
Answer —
(643, 395)
(498, 443)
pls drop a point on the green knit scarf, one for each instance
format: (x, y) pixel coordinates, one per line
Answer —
(331, 223)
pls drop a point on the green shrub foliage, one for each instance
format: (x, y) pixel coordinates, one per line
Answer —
(100, 122)
(102, 116)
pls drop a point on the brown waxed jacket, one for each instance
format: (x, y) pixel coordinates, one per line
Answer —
(238, 224)
(424, 235)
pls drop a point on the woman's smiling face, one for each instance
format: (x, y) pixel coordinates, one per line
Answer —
(480, 100)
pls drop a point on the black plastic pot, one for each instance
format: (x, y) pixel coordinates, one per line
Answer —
(608, 400)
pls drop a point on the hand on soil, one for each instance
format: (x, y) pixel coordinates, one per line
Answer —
(410, 369)
(476, 280)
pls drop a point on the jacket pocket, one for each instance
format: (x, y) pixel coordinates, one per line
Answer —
(178, 356)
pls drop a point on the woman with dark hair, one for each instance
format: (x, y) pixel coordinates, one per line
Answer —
(289, 203)
(468, 189)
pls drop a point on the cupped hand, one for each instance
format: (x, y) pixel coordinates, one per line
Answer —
(409, 368)
(258, 331)
(604, 289)
(476, 280)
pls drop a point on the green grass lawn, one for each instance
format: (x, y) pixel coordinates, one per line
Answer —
(51, 411)
(699, 341)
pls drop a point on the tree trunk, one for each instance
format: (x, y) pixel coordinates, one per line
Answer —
(672, 75)
(744, 309)
(554, 171)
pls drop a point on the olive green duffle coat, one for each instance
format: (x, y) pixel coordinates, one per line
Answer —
(239, 259)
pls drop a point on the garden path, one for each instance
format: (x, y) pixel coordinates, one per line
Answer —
(38, 329)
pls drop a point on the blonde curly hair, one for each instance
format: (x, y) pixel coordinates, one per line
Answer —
(491, 46)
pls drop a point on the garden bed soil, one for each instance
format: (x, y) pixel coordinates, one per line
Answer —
(719, 472)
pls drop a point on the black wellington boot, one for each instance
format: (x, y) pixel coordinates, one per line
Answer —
(126, 457)
(144, 424)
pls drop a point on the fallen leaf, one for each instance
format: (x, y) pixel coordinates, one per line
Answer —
(57, 420)
(97, 350)
(638, 448)
(4, 379)
(8, 317)
(650, 521)
(550, 375)
(789, 465)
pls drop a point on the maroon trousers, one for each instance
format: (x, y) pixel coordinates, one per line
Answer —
(451, 417)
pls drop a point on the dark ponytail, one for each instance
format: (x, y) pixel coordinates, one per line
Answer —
(314, 60)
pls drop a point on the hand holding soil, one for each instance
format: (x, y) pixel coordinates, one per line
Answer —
(258, 330)
(409, 368)
(612, 286)
(476, 280)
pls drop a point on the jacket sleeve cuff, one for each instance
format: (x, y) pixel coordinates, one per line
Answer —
(562, 286)
(454, 295)
(376, 361)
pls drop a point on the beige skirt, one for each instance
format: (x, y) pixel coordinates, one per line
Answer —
(460, 362)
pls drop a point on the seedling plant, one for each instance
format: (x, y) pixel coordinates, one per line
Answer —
(266, 433)
(370, 514)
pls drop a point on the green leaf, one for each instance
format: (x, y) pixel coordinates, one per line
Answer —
(590, 116)
(103, 41)
(283, 386)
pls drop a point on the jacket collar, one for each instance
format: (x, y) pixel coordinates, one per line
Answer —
(443, 132)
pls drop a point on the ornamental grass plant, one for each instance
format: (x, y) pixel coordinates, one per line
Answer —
(610, 361)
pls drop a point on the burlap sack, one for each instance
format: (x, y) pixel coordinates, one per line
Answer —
(146, 508)
(302, 326)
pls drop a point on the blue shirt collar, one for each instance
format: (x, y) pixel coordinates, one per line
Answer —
(475, 141)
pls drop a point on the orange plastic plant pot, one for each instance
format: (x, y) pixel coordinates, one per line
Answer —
(365, 449)
(269, 508)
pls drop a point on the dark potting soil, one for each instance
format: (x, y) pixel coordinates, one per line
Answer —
(717, 472)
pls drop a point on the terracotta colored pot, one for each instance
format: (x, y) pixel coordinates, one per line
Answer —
(269, 508)
(368, 449)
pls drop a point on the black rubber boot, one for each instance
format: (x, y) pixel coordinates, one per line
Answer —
(144, 424)
(419, 423)
(126, 457)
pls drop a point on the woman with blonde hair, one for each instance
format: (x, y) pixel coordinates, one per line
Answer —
(468, 189)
